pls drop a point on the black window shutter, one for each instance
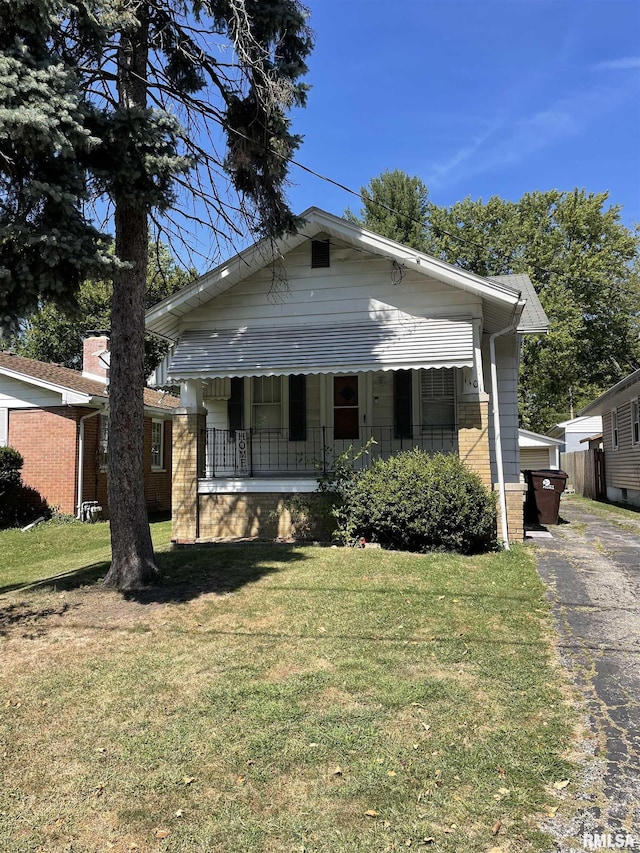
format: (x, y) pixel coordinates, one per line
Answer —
(402, 387)
(235, 404)
(297, 407)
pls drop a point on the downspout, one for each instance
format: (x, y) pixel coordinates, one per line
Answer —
(496, 424)
(80, 483)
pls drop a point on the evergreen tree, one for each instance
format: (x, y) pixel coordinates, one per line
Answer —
(131, 68)
(397, 206)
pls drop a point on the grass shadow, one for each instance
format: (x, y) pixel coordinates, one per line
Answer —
(184, 574)
(14, 614)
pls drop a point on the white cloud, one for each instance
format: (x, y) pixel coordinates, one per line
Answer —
(511, 141)
(624, 64)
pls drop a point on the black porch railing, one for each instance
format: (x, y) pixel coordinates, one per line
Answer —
(261, 453)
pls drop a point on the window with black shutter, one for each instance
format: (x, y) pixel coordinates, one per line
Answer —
(235, 404)
(297, 407)
(402, 408)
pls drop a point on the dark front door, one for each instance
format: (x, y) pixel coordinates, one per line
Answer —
(345, 407)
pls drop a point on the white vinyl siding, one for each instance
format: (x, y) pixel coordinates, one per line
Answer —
(356, 288)
(507, 369)
(622, 464)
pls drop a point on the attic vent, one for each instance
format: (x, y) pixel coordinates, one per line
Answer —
(320, 254)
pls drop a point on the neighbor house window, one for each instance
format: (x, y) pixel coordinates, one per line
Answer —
(437, 398)
(267, 402)
(103, 440)
(614, 429)
(157, 444)
(635, 421)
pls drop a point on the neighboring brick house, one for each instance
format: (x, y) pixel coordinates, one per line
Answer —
(57, 418)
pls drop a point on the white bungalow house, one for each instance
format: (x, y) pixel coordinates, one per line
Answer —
(286, 356)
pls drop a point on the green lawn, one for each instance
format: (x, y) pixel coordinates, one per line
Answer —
(276, 698)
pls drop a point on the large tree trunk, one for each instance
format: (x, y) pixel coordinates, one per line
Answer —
(132, 560)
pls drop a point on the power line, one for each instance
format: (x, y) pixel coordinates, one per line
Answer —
(436, 229)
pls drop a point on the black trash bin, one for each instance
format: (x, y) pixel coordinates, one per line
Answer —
(544, 487)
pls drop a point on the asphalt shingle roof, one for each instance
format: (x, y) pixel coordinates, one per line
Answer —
(73, 380)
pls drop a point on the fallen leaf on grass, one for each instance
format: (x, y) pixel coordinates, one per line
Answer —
(495, 829)
(429, 840)
(391, 772)
(337, 771)
(179, 813)
(188, 780)
(160, 833)
(560, 785)
(552, 811)
(371, 813)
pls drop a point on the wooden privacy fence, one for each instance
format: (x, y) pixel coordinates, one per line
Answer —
(586, 473)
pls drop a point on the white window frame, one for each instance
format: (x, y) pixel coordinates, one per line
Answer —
(254, 405)
(635, 421)
(157, 452)
(103, 441)
(426, 400)
(615, 436)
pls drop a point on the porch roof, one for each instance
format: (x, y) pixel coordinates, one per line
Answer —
(338, 348)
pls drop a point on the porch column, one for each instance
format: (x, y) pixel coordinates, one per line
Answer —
(473, 434)
(189, 436)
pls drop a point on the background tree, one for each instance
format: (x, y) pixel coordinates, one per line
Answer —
(158, 60)
(54, 335)
(397, 206)
(582, 260)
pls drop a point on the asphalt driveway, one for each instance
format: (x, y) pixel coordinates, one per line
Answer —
(591, 566)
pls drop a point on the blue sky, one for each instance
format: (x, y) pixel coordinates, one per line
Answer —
(476, 97)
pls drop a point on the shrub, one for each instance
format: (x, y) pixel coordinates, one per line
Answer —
(11, 463)
(417, 502)
(19, 504)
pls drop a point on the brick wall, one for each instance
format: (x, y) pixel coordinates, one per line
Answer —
(188, 434)
(48, 442)
(473, 437)
(46, 438)
(265, 515)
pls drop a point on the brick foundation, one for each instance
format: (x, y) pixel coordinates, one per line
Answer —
(265, 515)
(514, 494)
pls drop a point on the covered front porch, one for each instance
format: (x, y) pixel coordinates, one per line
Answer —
(246, 446)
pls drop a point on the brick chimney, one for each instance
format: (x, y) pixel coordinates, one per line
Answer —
(95, 356)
